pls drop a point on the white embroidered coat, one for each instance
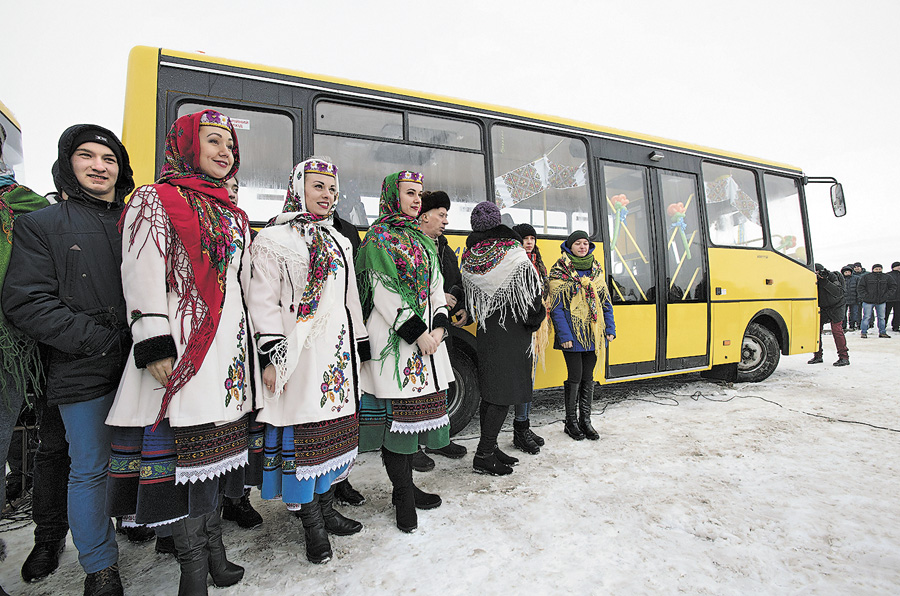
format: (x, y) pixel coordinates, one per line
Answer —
(220, 391)
(318, 363)
(419, 375)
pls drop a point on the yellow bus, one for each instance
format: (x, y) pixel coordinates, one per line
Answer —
(707, 252)
(13, 155)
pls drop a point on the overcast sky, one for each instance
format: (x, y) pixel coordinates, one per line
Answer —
(809, 83)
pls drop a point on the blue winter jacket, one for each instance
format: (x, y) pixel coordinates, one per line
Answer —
(562, 320)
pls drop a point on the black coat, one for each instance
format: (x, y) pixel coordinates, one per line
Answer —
(876, 288)
(450, 270)
(831, 296)
(895, 275)
(63, 288)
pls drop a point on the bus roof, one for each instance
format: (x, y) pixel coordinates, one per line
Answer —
(612, 132)
(9, 116)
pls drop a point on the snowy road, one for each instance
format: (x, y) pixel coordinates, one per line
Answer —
(694, 488)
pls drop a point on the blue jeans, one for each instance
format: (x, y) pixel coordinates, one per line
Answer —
(867, 308)
(522, 411)
(854, 314)
(89, 446)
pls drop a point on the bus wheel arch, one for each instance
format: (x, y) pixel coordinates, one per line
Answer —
(465, 395)
(765, 339)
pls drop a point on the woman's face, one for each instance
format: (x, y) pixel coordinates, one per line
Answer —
(216, 151)
(528, 243)
(410, 198)
(581, 247)
(320, 192)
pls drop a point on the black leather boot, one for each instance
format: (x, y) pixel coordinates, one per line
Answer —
(534, 437)
(192, 553)
(335, 523)
(224, 573)
(506, 460)
(522, 439)
(318, 549)
(399, 471)
(487, 463)
(585, 399)
(345, 494)
(570, 394)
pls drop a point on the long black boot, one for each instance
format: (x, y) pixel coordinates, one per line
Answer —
(522, 438)
(192, 553)
(335, 523)
(318, 549)
(570, 393)
(585, 397)
(224, 573)
(399, 471)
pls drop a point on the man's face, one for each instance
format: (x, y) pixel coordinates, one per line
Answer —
(876, 269)
(96, 170)
(231, 185)
(857, 268)
(433, 222)
(847, 273)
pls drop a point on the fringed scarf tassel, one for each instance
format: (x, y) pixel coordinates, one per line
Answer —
(518, 292)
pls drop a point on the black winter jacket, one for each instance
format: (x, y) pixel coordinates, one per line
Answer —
(64, 289)
(831, 296)
(895, 275)
(876, 288)
(450, 270)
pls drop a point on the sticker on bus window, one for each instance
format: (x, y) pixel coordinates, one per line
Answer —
(240, 123)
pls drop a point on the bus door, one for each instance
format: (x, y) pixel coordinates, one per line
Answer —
(656, 269)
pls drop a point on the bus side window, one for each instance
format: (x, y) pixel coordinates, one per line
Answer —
(732, 206)
(541, 179)
(785, 217)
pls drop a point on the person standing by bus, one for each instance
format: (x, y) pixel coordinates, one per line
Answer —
(855, 305)
(304, 305)
(402, 295)
(182, 409)
(874, 290)
(63, 289)
(524, 438)
(894, 303)
(831, 310)
(582, 317)
(503, 294)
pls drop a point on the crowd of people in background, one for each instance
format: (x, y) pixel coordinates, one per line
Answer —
(179, 358)
(856, 300)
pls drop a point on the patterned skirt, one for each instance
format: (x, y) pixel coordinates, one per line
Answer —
(157, 477)
(303, 460)
(396, 424)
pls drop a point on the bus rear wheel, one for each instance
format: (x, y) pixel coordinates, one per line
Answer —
(464, 395)
(760, 354)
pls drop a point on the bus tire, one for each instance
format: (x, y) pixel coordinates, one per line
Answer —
(760, 354)
(464, 394)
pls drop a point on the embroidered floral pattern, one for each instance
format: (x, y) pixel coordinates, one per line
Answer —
(234, 384)
(484, 256)
(415, 373)
(221, 235)
(335, 384)
(324, 262)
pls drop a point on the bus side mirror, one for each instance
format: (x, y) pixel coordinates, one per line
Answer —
(837, 200)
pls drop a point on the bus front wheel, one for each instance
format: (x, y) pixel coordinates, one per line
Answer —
(464, 395)
(760, 354)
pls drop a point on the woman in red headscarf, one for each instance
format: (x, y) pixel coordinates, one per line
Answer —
(183, 404)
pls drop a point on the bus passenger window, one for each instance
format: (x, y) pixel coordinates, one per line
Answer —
(443, 131)
(266, 145)
(785, 217)
(541, 179)
(631, 276)
(685, 268)
(732, 206)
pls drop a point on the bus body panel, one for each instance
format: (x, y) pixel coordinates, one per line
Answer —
(139, 125)
(686, 332)
(804, 326)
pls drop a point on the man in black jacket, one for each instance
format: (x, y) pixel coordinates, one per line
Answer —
(830, 288)
(894, 303)
(64, 289)
(874, 290)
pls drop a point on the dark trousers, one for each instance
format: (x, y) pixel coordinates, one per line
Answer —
(855, 313)
(51, 476)
(892, 306)
(580, 366)
(840, 342)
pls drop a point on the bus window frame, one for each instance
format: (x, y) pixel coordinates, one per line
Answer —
(760, 198)
(593, 189)
(804, 217)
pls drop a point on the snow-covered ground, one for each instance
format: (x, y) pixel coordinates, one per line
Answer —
(785, 487)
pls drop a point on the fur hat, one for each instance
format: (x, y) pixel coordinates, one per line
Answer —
(485, 215)
(524, 229)
(434, 200)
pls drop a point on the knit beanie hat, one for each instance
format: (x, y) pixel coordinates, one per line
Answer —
(574, 236)
(857, 264)
(96, 135)
(434, 200)
(485, 215)
(895, 264)
(820, 267)
(524, 229)
(877, 265)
